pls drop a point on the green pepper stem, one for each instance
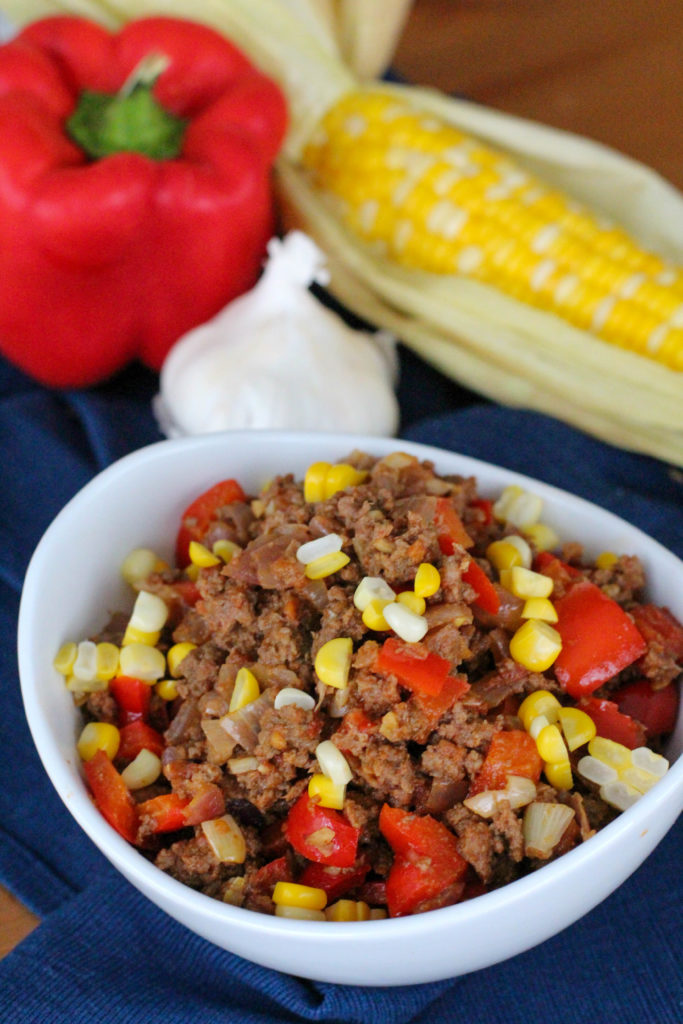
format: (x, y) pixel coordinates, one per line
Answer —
(129, 121)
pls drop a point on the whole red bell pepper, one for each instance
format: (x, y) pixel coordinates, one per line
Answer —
(135, 192)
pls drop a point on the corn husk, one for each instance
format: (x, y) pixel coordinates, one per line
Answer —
(500, 347)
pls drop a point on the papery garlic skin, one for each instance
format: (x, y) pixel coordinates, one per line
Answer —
(277, 358)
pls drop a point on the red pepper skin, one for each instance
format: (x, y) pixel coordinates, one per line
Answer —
(611, 723)
(199, 514)
(487, 595)
(427, 865)
(598, 639)
(132, 696)
(659, 626)
(106, 261)
(112, 796)
(306, 818)
(335, 881)
(413, 665)
(656, 710)
(165, 813)
(511, 752)
(137, 736)
(450, 529)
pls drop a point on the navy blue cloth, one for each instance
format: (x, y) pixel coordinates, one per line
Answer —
(102, 952)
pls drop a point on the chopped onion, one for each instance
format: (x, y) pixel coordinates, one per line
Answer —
(220, 744)
(518, 792)
(544, 826)
(243, 725)
(239, 765)
(226, 840)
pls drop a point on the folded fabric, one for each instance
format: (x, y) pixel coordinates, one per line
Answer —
(104, 952)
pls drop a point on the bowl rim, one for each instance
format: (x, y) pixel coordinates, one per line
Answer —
(668, 791)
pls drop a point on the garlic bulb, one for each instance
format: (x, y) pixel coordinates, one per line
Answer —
(278, 358)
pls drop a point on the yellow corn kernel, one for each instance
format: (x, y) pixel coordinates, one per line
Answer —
(517, 506)
(225, 550)
(372, 588)
(65, 658)
(106, 660)
(333, 662)
(306, 897)
(326, 792)
(348, 910)
(150, 612)
(314, 481)
(616, 755)
(332, 763)
(551, 746)
(542, 536)
(540, 702)
(619, 794)
(606, 559)
(559, 774)
(373, 616)
(535, 645)
(503, 555)
(140, 563)
(139, 636)
(201, 556)
(166, 689)
(340, 476)
(299, 913)
(406, 624)
(324, 566)
(427, 580)
(378, 914)
(143, 662)
(98, 736)
(175, 656)
(143, 771)
(85, 665)
(577, 726)
(192, 572)
(539, 608)
(412, 601)
(245, 690)
(526, 583)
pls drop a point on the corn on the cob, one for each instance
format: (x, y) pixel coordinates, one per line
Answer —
(433, 198)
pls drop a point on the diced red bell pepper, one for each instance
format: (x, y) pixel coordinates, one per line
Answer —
(487, 595)
(658, 625)
(598, 639)
(335, 881)
(112, 796)
(137, 736)
(199, 514)
(485, 506)
(165, 813)
(434, 706)
(656, 710)
(611, 723)
(132, 696)
(511, 752)
(265, 879)
(427, 864)
(321, 834)
(450, 528)
(413, 665)
(562, 573)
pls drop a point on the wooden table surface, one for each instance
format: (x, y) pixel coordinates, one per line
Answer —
(609, 69)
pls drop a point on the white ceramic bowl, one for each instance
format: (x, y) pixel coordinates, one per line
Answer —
(138, 502)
